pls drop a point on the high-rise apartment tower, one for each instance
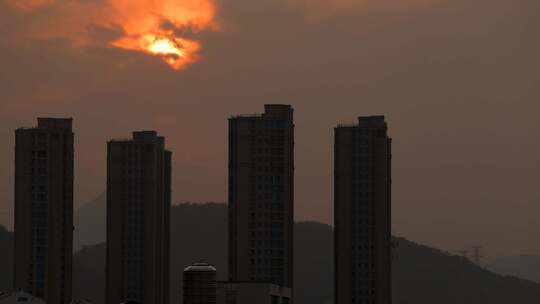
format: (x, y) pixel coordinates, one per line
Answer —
(138, 211)
(362, 212)
(44, 210)
(261, 198)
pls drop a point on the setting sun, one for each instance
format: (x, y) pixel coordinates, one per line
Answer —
(164, 46)
(176, 52)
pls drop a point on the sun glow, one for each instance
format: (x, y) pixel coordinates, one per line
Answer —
(164, 46)
(176, 52)
(159, 28)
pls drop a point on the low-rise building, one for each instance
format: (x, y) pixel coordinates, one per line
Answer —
(249, 292)
(200, 284)
(19, 297)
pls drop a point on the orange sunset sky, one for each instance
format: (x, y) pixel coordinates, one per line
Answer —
(457, 79)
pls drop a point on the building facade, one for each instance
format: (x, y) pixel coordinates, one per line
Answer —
(261, 196)
(44, 210)
(19, 297)
(199, 284)
(362, 211)
(252, 292)
(138, 225)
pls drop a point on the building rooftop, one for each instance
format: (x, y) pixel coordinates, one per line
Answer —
(366, 121)
(200, 267)
(141, 136)
(145, 135)
(48, 123)
(270, 110)
(19, 297)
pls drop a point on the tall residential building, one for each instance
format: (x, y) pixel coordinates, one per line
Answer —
(362, 212)
(138, 227)
(44, 210)
(261, 198)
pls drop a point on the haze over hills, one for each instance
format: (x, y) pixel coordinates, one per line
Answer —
(90, 222)
(522, 266)
(422, 275)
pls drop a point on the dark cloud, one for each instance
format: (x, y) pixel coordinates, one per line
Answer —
(457, 80)
(102, 35)
(189, 30)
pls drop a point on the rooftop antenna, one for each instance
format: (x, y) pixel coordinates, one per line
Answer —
(464, 253)
(394, 245)
(477, 256)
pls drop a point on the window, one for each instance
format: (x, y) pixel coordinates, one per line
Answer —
(230, 298)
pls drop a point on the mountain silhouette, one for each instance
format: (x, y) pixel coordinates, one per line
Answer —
(422, 275)
(426, 275)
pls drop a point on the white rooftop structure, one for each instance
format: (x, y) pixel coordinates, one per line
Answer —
(200, 267)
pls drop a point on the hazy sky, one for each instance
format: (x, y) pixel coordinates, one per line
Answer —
(457, 79)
